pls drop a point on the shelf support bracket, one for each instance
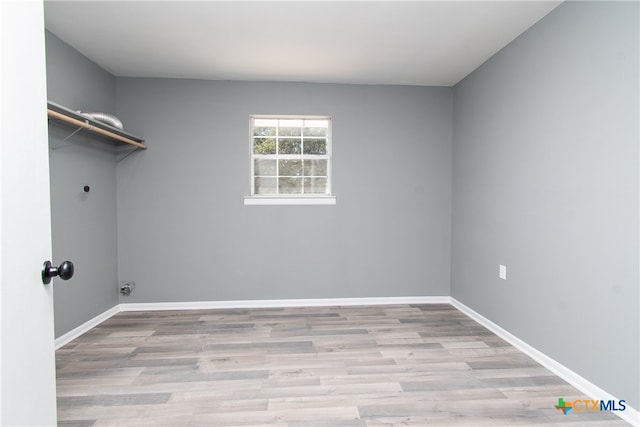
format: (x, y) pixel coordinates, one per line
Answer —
(73, 133)
(135, 149)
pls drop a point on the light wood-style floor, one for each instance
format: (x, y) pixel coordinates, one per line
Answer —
(374, 366)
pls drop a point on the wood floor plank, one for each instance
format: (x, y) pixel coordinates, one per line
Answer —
(365, 366)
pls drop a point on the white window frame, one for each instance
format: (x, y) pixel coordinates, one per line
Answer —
(290, 199)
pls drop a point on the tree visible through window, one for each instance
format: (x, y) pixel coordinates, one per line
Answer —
(290, 155)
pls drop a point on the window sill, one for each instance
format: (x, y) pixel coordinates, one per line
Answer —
(318, 200)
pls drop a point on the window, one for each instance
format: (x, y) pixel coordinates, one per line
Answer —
(290, 157)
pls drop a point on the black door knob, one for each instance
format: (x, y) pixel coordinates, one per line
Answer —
(65, 271)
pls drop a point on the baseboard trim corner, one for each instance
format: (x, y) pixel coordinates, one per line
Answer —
(65, 339)
(630, 415)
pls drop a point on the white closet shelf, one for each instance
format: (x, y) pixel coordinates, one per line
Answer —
(56, 111)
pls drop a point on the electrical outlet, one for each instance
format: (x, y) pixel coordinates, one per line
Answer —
(502, 272)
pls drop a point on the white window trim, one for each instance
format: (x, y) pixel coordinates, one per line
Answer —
(291, 199)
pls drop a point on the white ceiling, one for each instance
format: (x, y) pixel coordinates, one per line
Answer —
(426, 43)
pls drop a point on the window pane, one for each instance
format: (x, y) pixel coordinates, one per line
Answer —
(315, 185)
(316, 127)
(315, 167)
(289, 131)
(290, 185)
(319, 123)
(289, 146)
(264, 146)
(291, 123)
(315, 146)
(290, 167)
(309, 131)
(265, 123)
(264, 131)
(264, 167)
(264, 185)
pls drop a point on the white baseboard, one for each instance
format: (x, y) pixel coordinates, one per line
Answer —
(317, 302)
(86, 326)
(591, 390)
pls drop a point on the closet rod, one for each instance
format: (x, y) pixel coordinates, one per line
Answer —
(92, 128)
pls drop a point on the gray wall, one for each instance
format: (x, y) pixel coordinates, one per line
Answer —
(185, 235)
(545, 181)
(83, 224)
